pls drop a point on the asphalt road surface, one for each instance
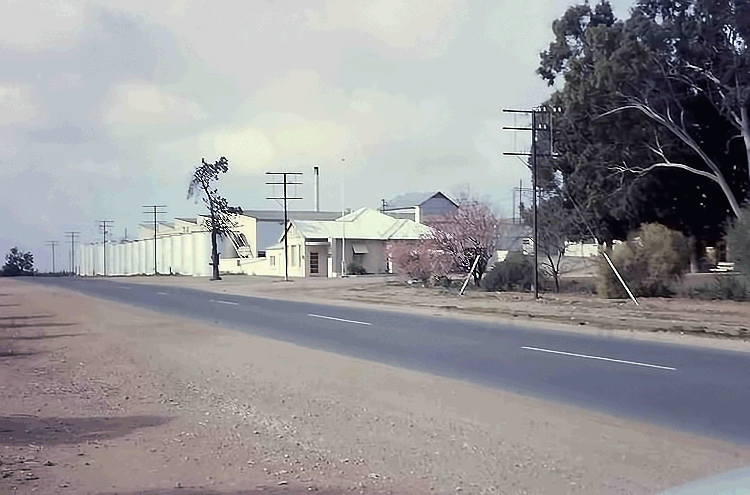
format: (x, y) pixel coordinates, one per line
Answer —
(700, 390)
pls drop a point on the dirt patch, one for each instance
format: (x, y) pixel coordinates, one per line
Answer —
(123, 400)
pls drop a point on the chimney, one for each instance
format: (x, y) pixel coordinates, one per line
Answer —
(316, 185)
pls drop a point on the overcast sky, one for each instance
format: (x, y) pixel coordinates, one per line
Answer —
(106, 106)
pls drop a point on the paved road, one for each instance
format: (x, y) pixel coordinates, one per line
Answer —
(700, 390)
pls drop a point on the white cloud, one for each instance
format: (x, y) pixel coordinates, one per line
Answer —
(111, 170)
(139, 103)
(298, 118)
(334, 119)
(64, 81)
(40, 25)
(7, 142)
(246, 148)
(403, 24)
(19, 102)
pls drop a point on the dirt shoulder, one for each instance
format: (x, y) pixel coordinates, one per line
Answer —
(98, 397)
(721, 324)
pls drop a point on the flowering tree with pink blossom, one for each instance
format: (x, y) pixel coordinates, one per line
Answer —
(453, 246)
(470, 232)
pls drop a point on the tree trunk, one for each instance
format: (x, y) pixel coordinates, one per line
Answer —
(555, 271)
(214, 257)
(694, 249)
(745, 124)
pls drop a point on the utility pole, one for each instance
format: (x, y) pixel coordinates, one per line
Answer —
(53, 244)
(286, 197)
(536, 124)
(155, 210)
(343, 224)
(104, 224)
(384, 204)
(73, 238)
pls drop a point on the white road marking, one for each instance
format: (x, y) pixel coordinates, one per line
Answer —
(634, 363)
(162, 293)
(339, 319)
(127, 288)
(225, 302)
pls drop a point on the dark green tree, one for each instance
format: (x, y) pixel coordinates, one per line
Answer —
(221, 217)
(18, 263)
(651, 109)
(738, 236)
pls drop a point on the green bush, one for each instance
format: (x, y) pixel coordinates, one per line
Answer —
(738, 240)
(725, 287)
(356, 269)
(650, 262)
(515, 273)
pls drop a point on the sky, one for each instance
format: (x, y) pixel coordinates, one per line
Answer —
(106, 106)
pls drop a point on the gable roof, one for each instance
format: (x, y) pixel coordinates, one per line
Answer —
(410, 200)
(364, 223)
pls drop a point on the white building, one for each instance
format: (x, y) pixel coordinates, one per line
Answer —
(182, 246)
(315, 246)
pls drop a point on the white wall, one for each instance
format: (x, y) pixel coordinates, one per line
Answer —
(185, 253)
(142, 256)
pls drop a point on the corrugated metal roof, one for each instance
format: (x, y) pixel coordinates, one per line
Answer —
(410, 200)
(365, 223)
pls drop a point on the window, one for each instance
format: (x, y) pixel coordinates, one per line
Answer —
(273, 260)
(293, 256)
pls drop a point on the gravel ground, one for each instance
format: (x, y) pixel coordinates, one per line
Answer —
(98, 397)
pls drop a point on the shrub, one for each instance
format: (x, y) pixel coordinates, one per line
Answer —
(725, 286)
(356, 269)
(515, 273)
(738, 239)
(651, 261)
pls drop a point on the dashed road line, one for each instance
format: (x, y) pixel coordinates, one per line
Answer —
(225, 302)
(600, 358)
(339, 319)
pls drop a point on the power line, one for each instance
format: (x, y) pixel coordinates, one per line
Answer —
(53, 244)
(285, 183)
(103, 224)
(73, 238)
(155, 210)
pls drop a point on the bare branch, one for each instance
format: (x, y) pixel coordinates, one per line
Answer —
(682, 134)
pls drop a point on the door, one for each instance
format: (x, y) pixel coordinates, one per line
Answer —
(314, 264)
(317, 262)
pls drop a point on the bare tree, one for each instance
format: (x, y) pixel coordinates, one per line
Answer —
(221, 218)
(555, 228)
(470, 232)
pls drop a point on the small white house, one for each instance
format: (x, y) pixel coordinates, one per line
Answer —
(315, 248)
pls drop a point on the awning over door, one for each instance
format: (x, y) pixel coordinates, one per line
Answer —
(360, 248)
